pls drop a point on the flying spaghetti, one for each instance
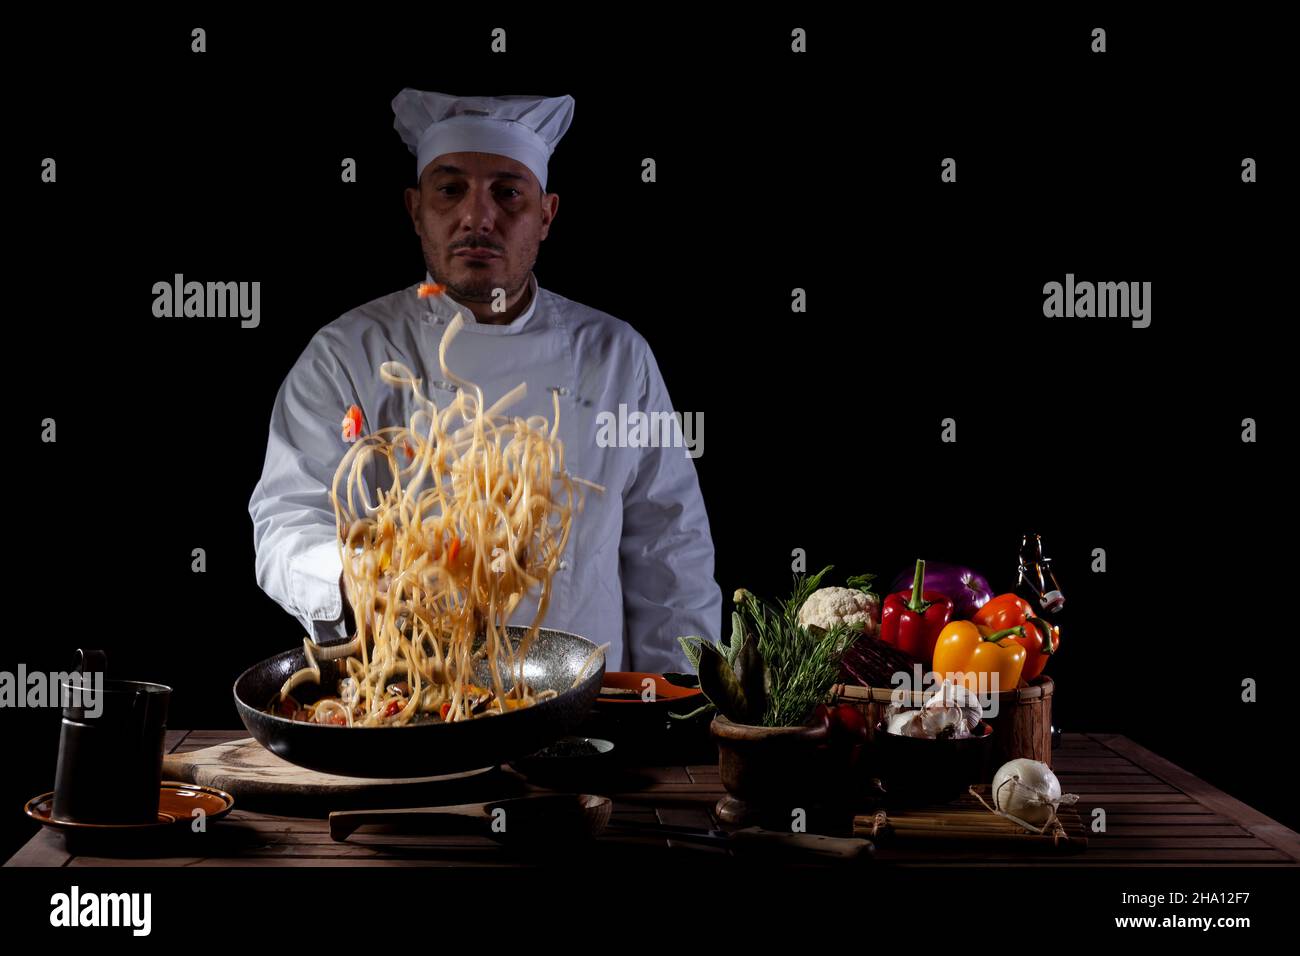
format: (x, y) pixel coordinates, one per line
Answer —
(476, 516)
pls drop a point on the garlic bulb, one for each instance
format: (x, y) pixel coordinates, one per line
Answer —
(952, 706)
(907, 724)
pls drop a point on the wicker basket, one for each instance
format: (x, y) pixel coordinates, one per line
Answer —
(1022, 728)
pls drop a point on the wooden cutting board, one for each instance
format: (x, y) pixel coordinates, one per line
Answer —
(967, 822)
(247, 770)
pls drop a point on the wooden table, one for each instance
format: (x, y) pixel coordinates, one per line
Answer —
(1157, 815)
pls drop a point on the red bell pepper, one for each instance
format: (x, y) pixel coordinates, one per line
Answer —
(912, 620)
(1040, 640)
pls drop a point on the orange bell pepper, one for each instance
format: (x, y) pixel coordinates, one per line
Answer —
(1041, 639)
(966, 650)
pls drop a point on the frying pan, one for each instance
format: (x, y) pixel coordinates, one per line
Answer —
(424, 750)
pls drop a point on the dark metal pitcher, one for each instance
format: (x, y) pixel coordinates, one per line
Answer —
(110, 748)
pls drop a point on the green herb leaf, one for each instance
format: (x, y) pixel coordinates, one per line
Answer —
(695, 713)
(691, 649)
(862, 582)
(720, 685)
(737, 638)
(752, 674)
(681, 680)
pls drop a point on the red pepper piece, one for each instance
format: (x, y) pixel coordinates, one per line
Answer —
(352, 424)
(912, 620)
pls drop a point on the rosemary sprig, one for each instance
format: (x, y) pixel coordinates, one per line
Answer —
(801, 664)
(771, 664)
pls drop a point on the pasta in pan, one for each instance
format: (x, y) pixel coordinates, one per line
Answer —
(477, 515)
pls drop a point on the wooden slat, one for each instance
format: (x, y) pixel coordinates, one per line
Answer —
(1266, 828)
(666, 774)
(189, 746)
(44, 849)
(259, 822)
(697, 817)
(1115, 810)
(1062, 765)
(1114, 829)
(1189, 808)
(1082, 861)
(1097, 854)
(365, 850)
(1111, 797)
(1104, 856)
(632, 814)
(660, 800)
(370, 845)
(704, 776)
(78, 861)
(1115, 841)
(1096, 792)
(239, 862)
(377, 848)
(669, 790)
(1101, 781)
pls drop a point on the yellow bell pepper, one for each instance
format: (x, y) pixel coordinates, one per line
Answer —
(966, 650)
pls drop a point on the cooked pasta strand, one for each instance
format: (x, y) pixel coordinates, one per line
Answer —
(476, 514)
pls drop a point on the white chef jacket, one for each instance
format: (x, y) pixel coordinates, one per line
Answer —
(638, 569)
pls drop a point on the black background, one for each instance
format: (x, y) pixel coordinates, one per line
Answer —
(822, 430)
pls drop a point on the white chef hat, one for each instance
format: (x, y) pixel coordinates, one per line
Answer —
(525, 128)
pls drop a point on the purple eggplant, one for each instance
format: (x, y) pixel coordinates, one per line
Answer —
(968, 589)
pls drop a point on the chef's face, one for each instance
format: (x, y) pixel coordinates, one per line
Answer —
(480, 218)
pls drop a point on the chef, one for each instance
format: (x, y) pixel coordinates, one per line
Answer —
(638, 570)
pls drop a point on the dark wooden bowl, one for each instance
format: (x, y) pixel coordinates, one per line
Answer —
(917, 771)
(770, 764)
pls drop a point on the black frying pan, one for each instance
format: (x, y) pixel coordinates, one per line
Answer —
(424, 750)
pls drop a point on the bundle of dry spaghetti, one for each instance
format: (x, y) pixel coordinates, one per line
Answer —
(477, 515)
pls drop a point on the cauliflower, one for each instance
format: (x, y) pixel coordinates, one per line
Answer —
(827, 607)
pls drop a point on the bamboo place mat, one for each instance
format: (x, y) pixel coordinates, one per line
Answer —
(966, 821)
